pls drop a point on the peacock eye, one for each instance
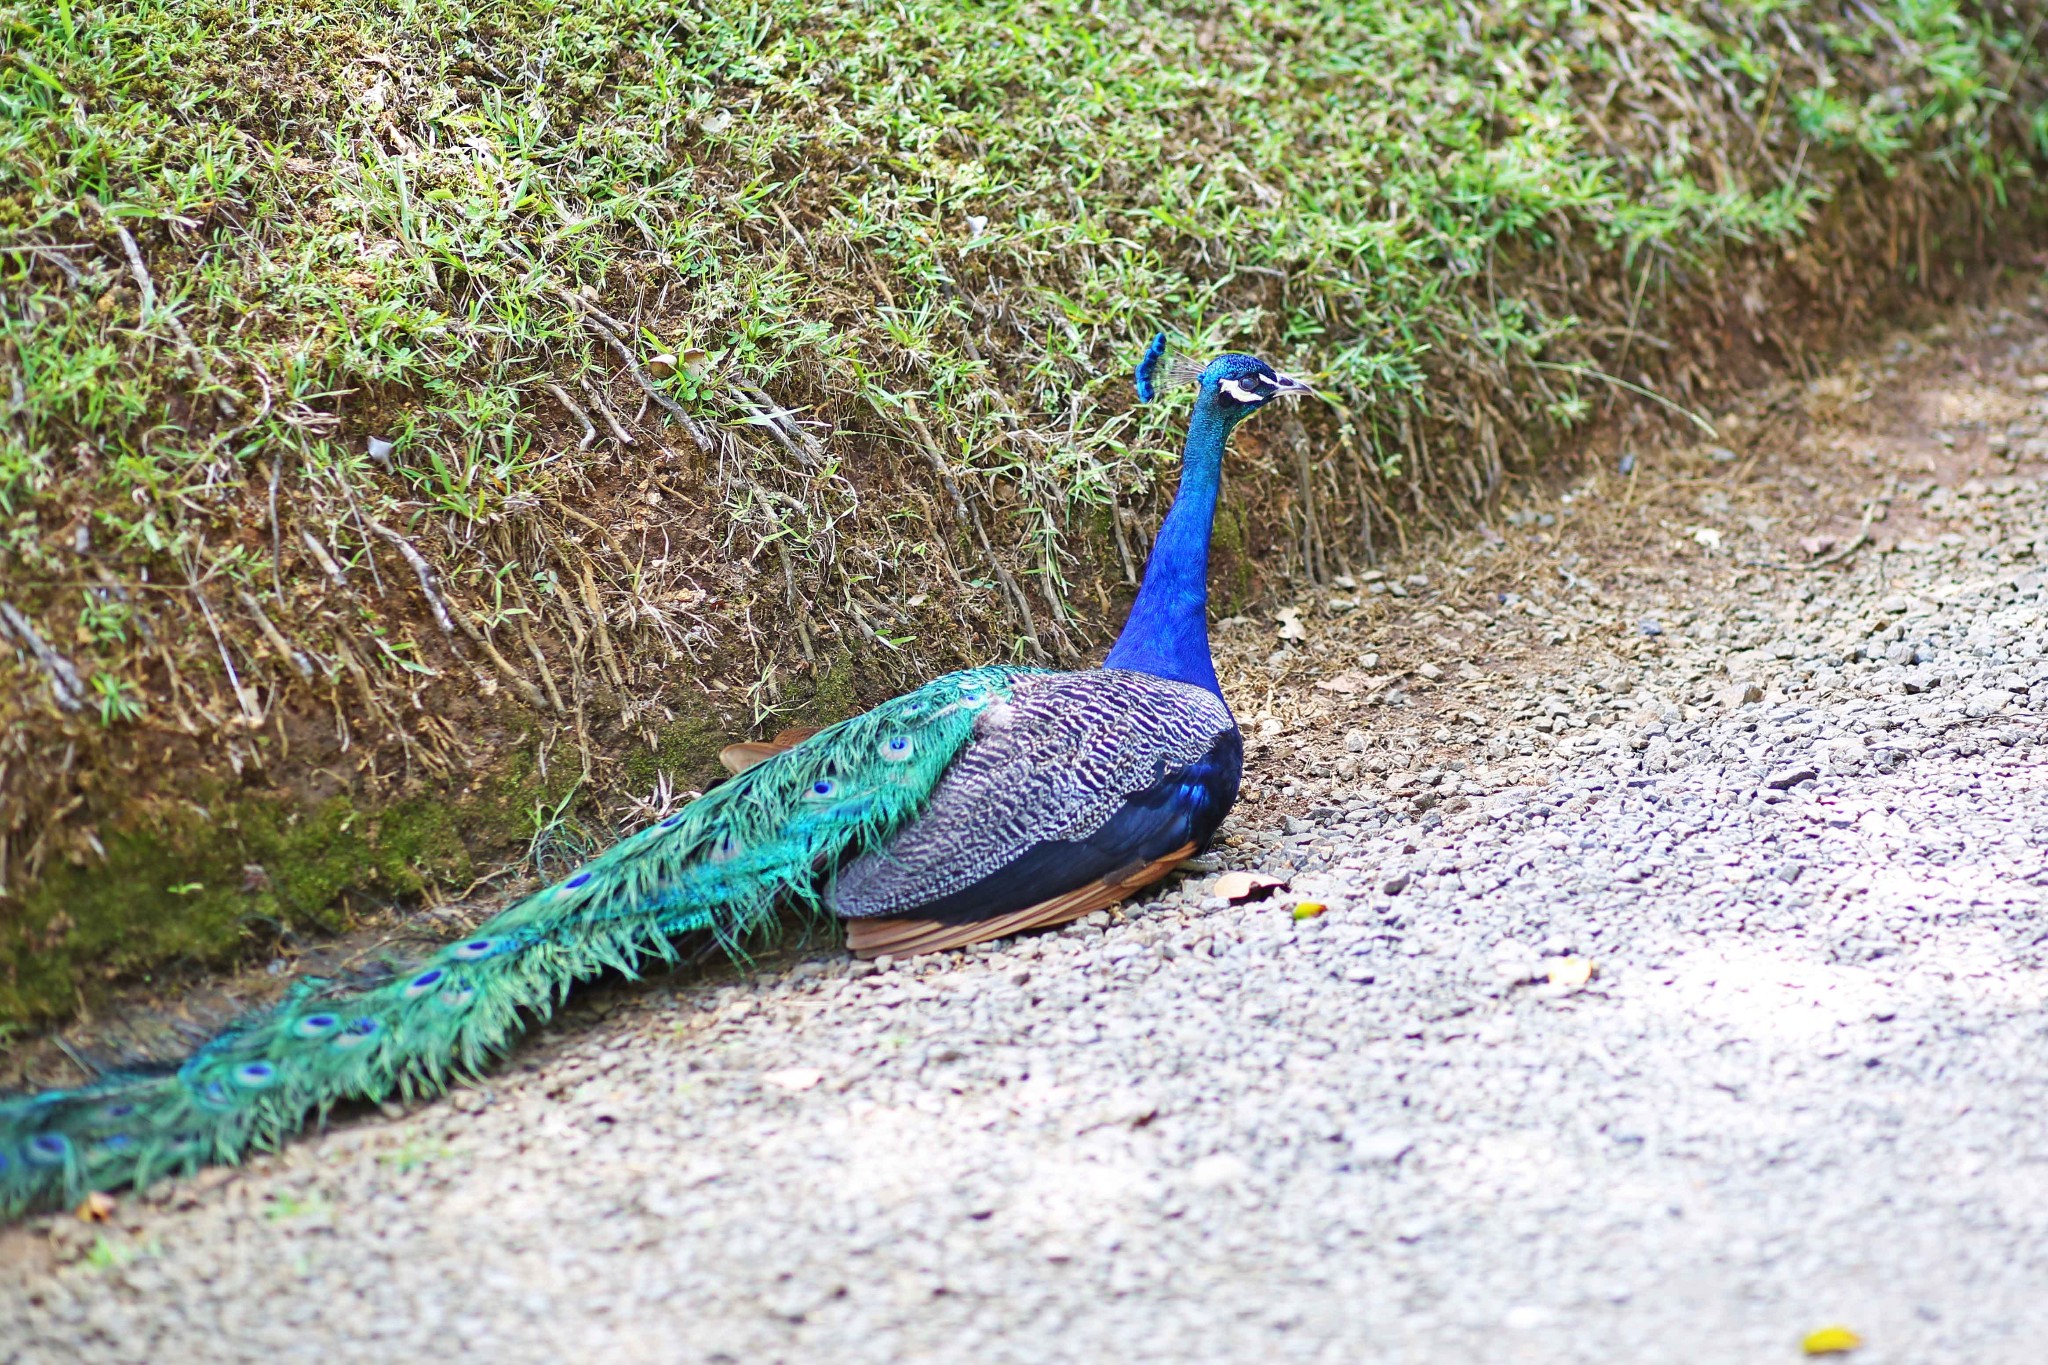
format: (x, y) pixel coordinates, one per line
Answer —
(824, 786)
(355, 1033)
(255, 1075)
(316, 1025)
(474, 949)
(423, 983)
(896, 748)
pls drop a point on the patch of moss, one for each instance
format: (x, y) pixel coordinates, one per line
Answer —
(838, 693)
(193, 882)
(686, 749)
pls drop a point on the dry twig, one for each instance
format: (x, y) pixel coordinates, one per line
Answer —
(575, 410)
(613, 333)
(147, 287)
(65, 684)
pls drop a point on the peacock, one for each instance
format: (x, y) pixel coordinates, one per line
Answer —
(984, 803)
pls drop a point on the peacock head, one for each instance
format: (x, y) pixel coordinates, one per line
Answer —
(1238, 384)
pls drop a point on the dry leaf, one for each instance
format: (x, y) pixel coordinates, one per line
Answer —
(1344, 684)
(1830, 1341)
(794, 1078)
(1309, 909)
(97, 1207)
(1291, 627)
(1569, 971)
(1238, 887)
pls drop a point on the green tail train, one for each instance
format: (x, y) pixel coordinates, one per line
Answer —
(722, 867)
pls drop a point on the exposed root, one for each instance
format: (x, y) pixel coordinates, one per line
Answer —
(147, 288)
(65, 685)
(574, 410)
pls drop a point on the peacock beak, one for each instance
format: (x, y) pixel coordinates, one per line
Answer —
(1287, 386)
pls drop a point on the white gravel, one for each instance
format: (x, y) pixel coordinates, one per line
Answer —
(1804, 1084)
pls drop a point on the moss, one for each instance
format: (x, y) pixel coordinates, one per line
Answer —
(193, 883)
(686, 750)
(837, 695)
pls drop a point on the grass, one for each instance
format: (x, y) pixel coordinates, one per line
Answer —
(321, 451)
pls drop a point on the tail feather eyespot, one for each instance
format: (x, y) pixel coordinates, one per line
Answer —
(423, 983)
(316, 1025)
(897, 748)
(255, 1075)
(361, 1031)
(48, 1149)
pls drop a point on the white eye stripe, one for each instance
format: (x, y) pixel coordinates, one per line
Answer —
(1240, 392)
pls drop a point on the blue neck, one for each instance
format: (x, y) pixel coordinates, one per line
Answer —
(1168, 633)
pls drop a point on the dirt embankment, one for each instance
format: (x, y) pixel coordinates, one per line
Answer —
(426, 443)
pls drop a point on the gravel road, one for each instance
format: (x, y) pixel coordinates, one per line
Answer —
(1679, 992)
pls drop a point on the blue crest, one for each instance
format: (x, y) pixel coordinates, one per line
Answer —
(1148, 369)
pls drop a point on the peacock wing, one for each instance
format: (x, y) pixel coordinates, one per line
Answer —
(1075, 780)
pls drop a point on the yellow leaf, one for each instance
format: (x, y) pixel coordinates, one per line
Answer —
(96, 1207)
(1570, 971)
(1309, 909)
(1830, 1341)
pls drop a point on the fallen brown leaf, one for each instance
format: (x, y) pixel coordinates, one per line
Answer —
(794, 1078)
(1238, 887)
